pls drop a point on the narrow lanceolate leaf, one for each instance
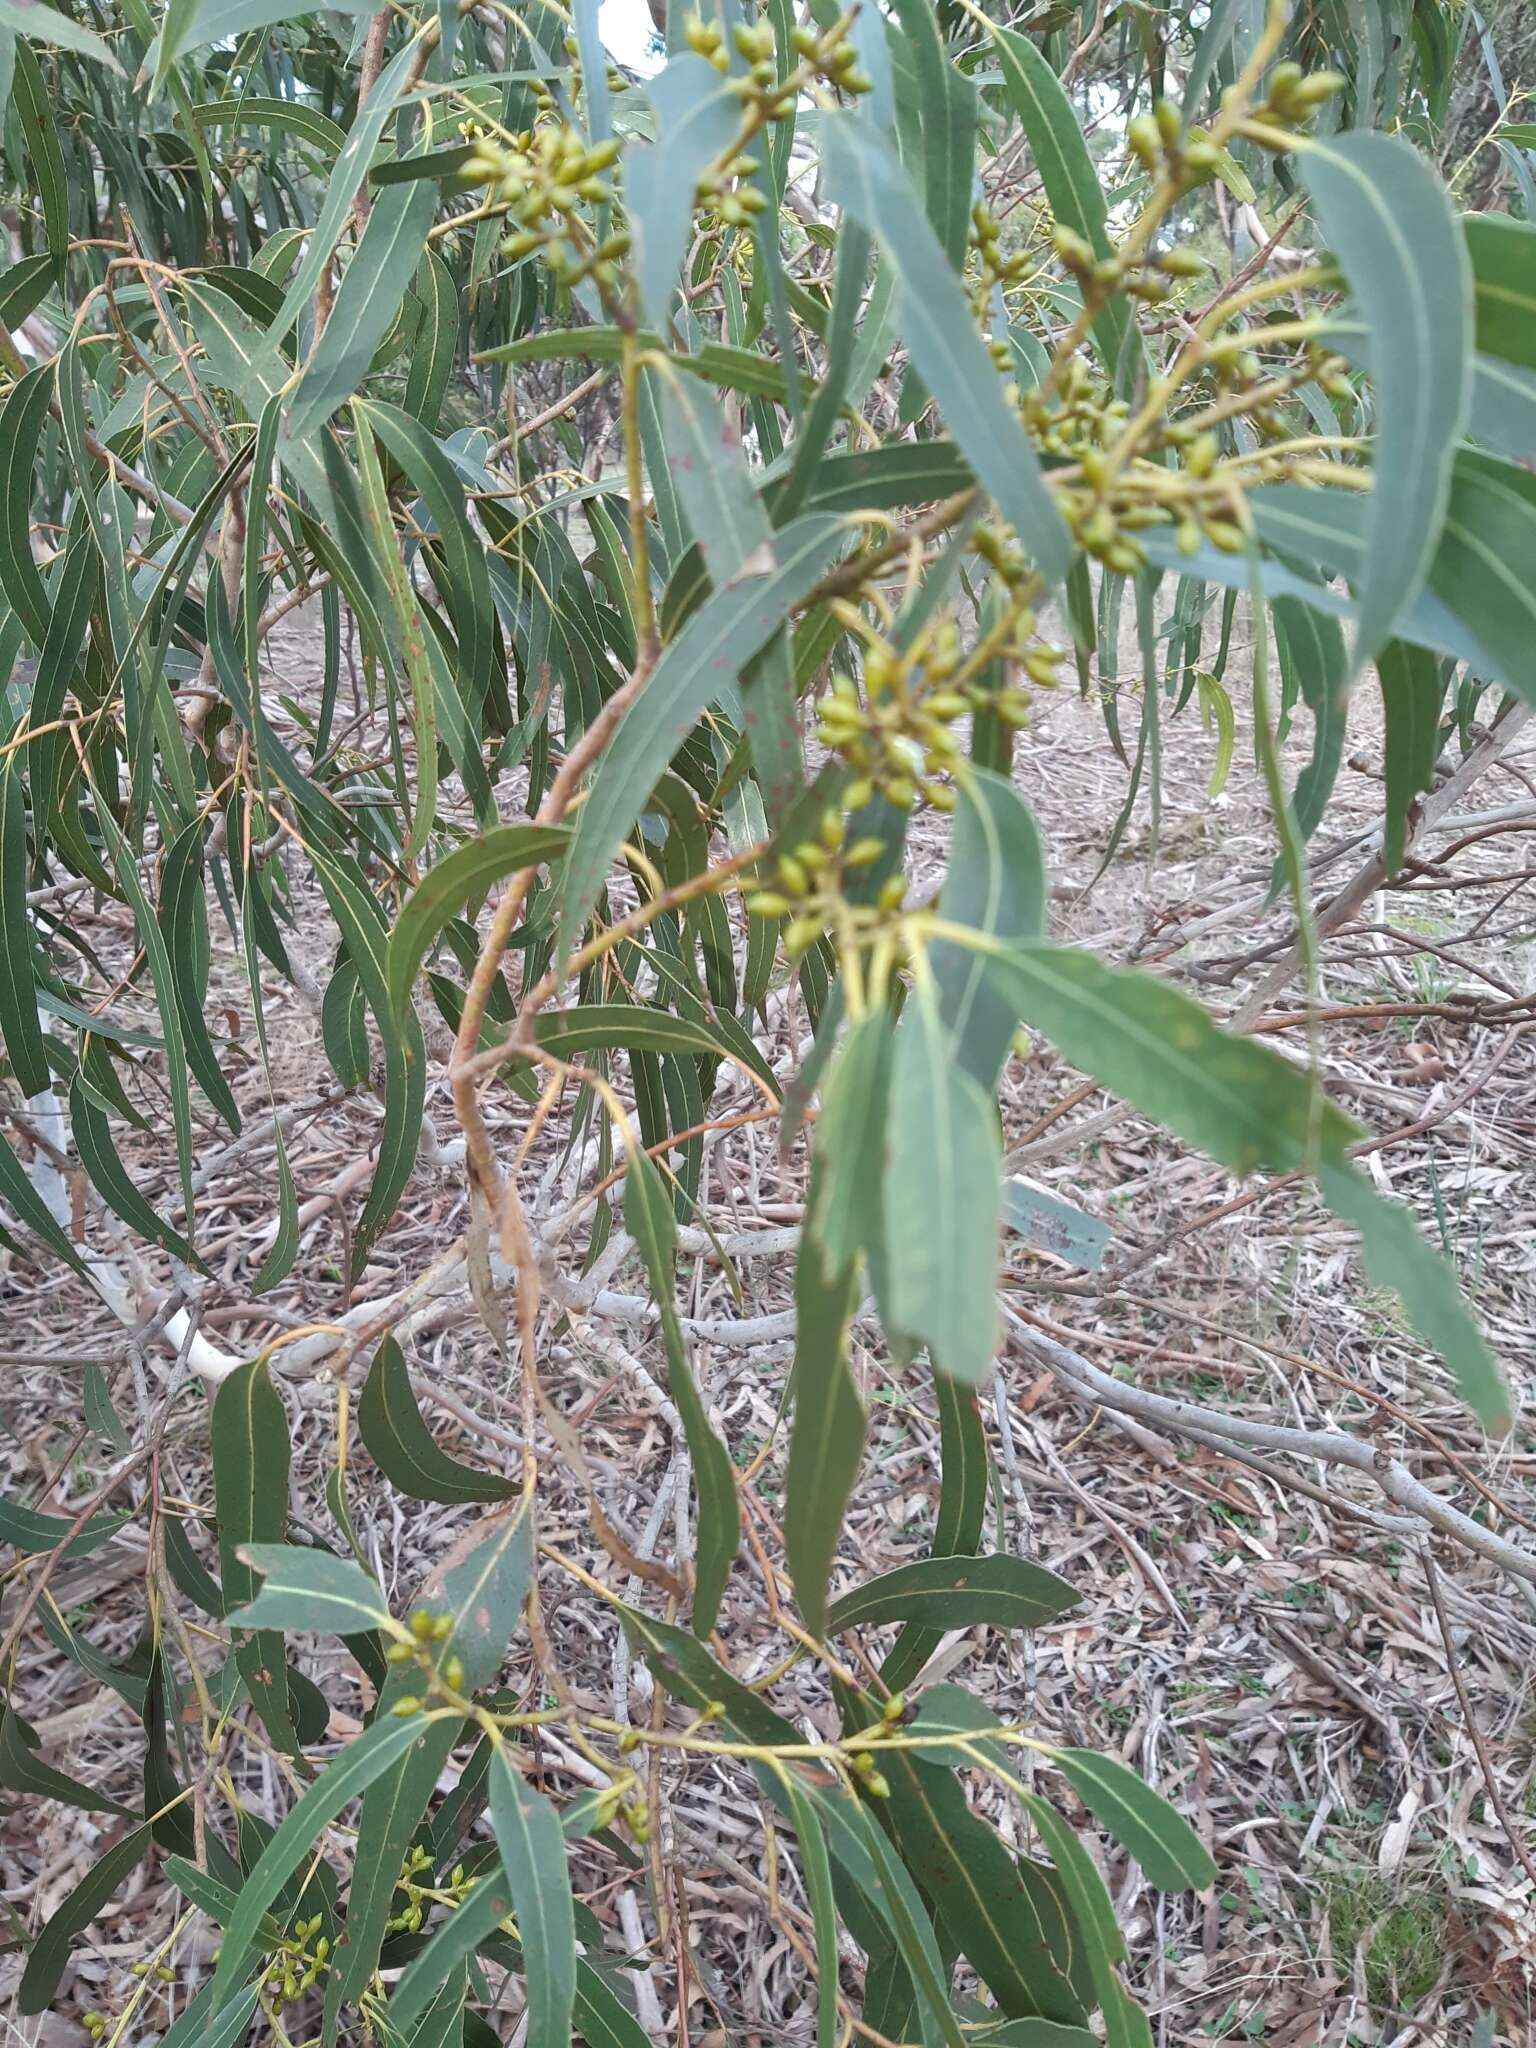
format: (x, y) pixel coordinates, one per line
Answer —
(31, 1532)
(1066, 169)
(1311, 648)
(480, 1585)
(942, 1198)
(218, 1901)
(995, 884)
(342, 1780)
(701, 665)
(191, 24)
(697, 116)
(957, 1592)
(844, 1206)
(1389, 222)
(1503, 257)
(92, 1133)
(982, 1902)
(446, 887)
(401, 1445)
(18, 994)
(50, 1951)
(42, 24)
(532, 1850)
(308, 1589)
(1396, 1256)
(964, 1489)
(1125, 2024)
(250, 1491)
(1412, 692)
(648, 1218)
(1141, 1820)
(1151, 1044)
(704, 455)
(816, 1870)
(362, 926)
(367, 300)
(827, 1439)
(22, 1770)
(947, 352)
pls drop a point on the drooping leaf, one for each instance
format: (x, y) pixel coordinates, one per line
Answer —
(701, 665)
(649, 1219)
(1390, 224)
(532, 1850)
(1141, 1820)
(995, 884)
(250, 1489)
(480, 1585)
(946, 349)
(697, 117)
(957, 1592)
(827, 1438)
(50, 1952)
(403, 1448)
(941, 1197)
(1412, 692)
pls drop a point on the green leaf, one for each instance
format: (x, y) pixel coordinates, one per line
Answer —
(92, 1134)
(641, 1027)
(697, 118)
(1311, 649)
(947, 352)
(1412, 692)
(532, 1850)
(826, 1443)
(250, 1490)
(481, 1585)
(21, 1770)
(844, 1204)
(964, 1489)
(942, 1198)
(1239, 1101)
(1390, 224)
(46, 25)
(701, 665)
(1397, 1257)
(18, 996)
(288, 117)
(1066, 169)
(1125, 2024)
(405, 1062)
(27, 1530)
(342, 1780)
(193, 24)
(957, 1592)
(50, 1951)
(400, 1444)
(816, 1871)
(1502, 253)
(308, 1589)
(449, 884)
(1141, 1820)
(995, 884)
(705, 459)
(649, 1220)
(1048, 1224)
(983, 1905)
(218, 1901)
(1033, 2033)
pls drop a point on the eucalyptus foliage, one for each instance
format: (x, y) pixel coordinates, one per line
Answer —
(920, 365)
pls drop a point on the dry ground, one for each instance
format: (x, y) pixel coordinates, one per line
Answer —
(1260, 1641)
